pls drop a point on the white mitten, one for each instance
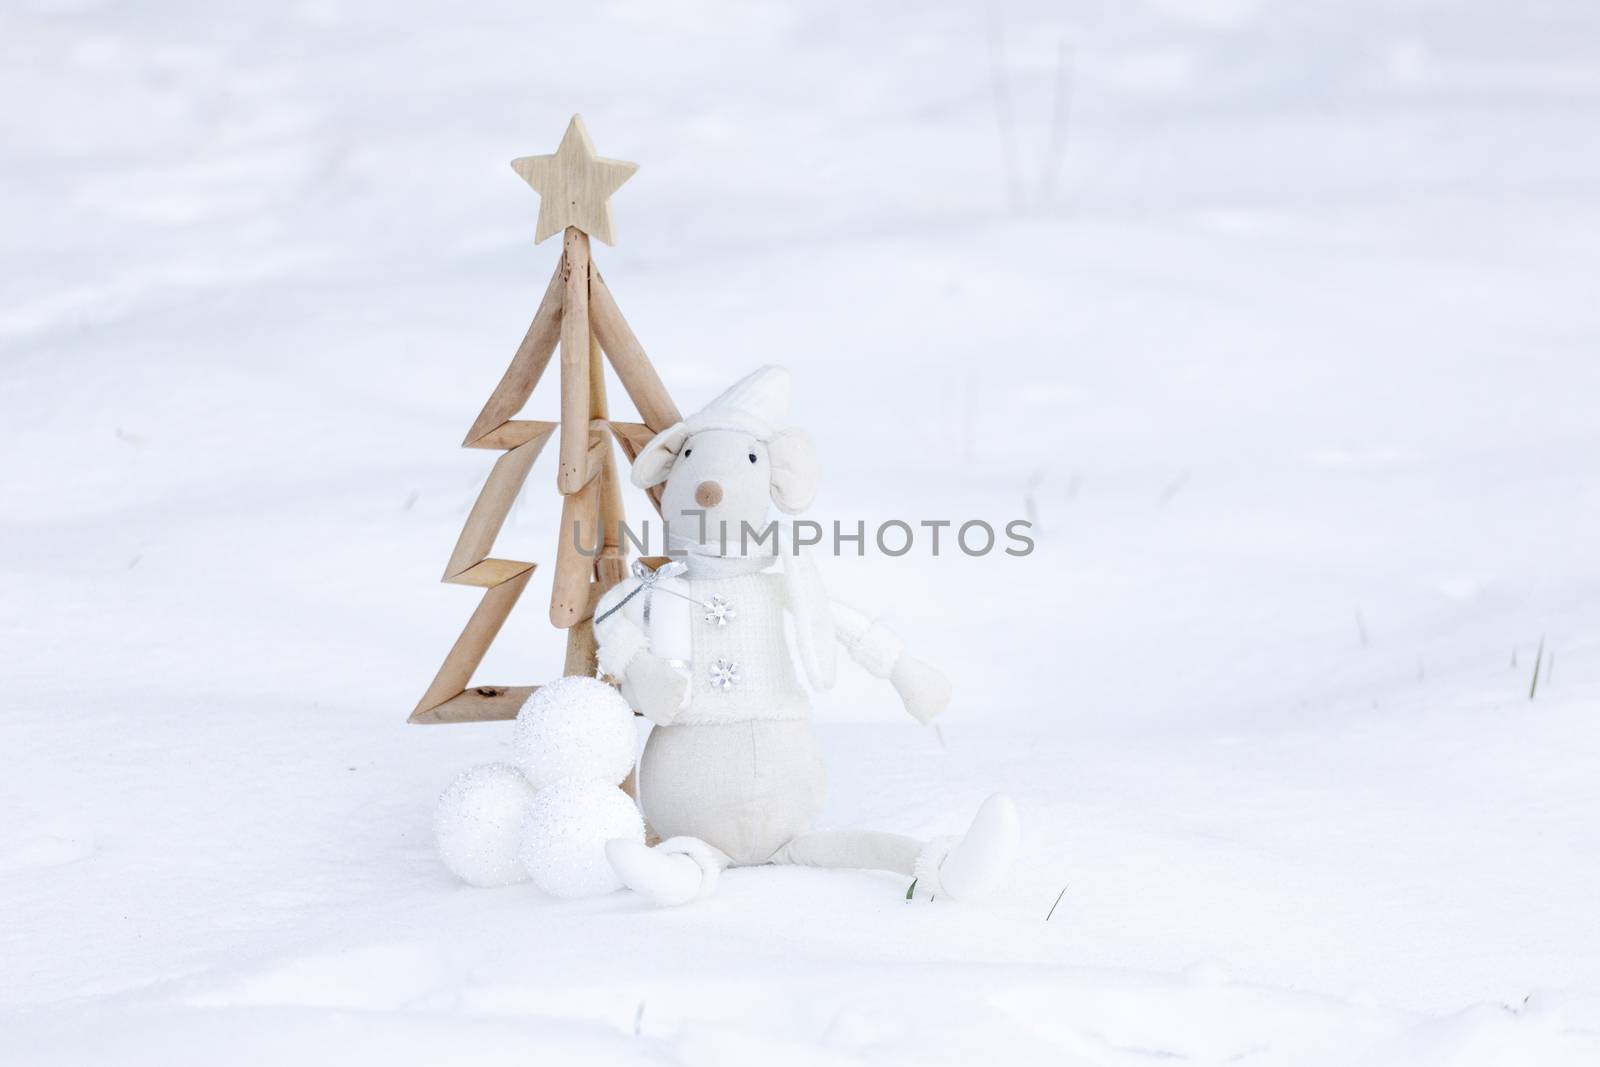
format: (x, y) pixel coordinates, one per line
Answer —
(924, 690)
(659, 687)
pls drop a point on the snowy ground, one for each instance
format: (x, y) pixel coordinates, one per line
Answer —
(1291, 356)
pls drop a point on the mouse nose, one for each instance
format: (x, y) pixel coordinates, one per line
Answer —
(708, 494)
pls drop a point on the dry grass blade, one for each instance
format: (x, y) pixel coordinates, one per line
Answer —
(1059, 895)
(1538, 659)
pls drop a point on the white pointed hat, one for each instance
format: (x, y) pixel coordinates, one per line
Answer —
(758, 404)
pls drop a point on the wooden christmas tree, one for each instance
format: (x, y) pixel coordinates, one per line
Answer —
(579, 313)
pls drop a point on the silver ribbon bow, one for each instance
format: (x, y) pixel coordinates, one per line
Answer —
(647, 581)
(670, 569)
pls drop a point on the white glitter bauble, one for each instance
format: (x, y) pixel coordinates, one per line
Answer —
(574, 727)
(564, 838)
(477, 824)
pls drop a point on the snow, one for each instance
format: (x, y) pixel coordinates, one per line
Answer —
(1292, 361)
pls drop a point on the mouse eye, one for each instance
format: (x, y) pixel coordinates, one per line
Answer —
(688, 452)
(752, 457)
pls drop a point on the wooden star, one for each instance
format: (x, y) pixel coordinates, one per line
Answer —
(574, 185)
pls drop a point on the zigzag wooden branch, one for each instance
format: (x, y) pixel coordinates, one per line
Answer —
(449, 685)
(509, 435)
(503, 579)
(516, 385)
(494, 504)
(627, 357)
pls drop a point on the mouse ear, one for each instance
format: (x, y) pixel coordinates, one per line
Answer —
(655, 459)
(794, 470)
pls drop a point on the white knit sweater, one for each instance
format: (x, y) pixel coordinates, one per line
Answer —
(739, 663)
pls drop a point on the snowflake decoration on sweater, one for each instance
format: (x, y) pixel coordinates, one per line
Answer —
(724, 674)
(719, 611)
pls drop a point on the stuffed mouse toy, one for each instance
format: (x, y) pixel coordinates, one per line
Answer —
(730, 774)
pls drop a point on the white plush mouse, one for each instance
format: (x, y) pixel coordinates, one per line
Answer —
(730, 774)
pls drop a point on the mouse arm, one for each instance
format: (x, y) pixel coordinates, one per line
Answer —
(656, 685)
(922, 687)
